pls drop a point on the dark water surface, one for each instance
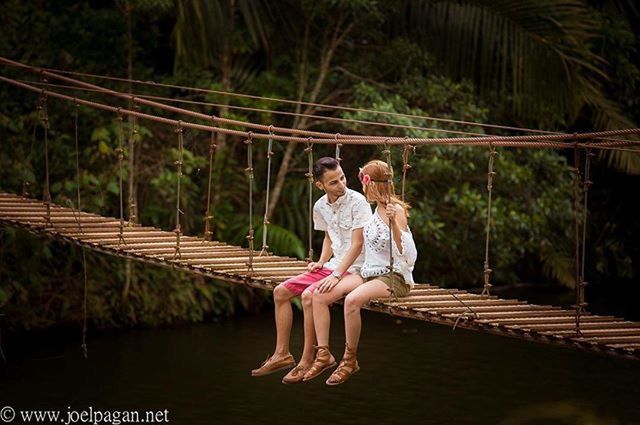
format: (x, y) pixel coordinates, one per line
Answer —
(412, 373)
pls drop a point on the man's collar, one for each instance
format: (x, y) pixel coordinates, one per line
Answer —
(338, 201)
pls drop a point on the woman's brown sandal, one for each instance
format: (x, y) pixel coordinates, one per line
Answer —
(348, 366)
(323, 361)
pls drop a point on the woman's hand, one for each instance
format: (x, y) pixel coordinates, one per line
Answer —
(391, 211)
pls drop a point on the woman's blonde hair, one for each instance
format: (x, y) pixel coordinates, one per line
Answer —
(377, 189)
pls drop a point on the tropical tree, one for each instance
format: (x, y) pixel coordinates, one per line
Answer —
(535, 56)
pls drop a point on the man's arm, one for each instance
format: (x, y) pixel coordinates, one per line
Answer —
(357, 241)
(325, 254)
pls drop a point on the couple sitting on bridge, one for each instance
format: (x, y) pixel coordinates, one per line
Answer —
(354, 263)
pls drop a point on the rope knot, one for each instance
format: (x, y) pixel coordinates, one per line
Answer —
(249, 139)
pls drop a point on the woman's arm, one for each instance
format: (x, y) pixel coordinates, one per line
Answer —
(398, 222)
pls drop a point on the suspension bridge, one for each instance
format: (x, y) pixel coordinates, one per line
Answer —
(572, 327)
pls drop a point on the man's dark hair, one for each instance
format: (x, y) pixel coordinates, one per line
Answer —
(324, 164)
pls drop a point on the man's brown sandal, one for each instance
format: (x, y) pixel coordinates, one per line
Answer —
(348, 366)
(323, 361)
(270, 365)
(295, 375)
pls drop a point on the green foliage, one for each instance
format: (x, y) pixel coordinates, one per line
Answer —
(46, 287)
(519, 63)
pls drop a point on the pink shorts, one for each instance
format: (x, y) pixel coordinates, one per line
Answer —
(298, 284)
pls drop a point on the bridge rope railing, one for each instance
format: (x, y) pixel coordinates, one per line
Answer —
(323, 106)
(549, 141)
(354, 139)
(333, 119)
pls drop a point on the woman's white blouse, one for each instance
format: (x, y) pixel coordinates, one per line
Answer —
(376, 254)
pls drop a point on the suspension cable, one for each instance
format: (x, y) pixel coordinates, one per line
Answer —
(278, 100)
(265, 220)
(338, 147)
(543, 141)
(490, 174)
(42, 71)
(284, 113)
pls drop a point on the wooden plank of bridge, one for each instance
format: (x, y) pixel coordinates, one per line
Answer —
(514, 318)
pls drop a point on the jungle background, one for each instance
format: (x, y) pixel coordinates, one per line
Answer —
(553, 65)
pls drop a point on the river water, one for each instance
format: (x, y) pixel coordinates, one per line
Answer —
(411, 373)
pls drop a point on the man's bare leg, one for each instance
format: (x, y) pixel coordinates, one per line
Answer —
(308, 352)
(284, 318)
(322, 317)
(281, 358)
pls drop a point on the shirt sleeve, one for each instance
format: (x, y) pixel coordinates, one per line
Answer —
(407, 259)
(361, 213)
(319, 223)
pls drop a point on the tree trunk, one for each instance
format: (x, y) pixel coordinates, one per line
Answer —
(221, 141)
(301, 123)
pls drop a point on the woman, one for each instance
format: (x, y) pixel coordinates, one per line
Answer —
(374, 280)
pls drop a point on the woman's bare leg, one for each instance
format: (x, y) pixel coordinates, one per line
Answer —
(321, 302)
(352, 305)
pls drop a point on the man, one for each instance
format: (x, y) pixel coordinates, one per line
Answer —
(341, 213)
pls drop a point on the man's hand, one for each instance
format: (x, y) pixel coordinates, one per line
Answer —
(327, 284)
(313, 267)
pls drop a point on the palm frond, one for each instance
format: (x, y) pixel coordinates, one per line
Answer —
(529, 52)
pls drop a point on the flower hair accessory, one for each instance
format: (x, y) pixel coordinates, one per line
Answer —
(365, 179)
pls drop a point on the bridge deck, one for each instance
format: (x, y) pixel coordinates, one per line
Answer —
(509, 317)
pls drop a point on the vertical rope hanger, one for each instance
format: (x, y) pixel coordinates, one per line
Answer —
(44, 117)
(178, 230)
(309, 175)
(581, 305)
(338, 147)
(120, 151)
(208, 218)
(405, 165)
(490, 174)
(84, 254)
(28, 165)
(387, 153)
(249, 170)
(133, 132)
(265, 219)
